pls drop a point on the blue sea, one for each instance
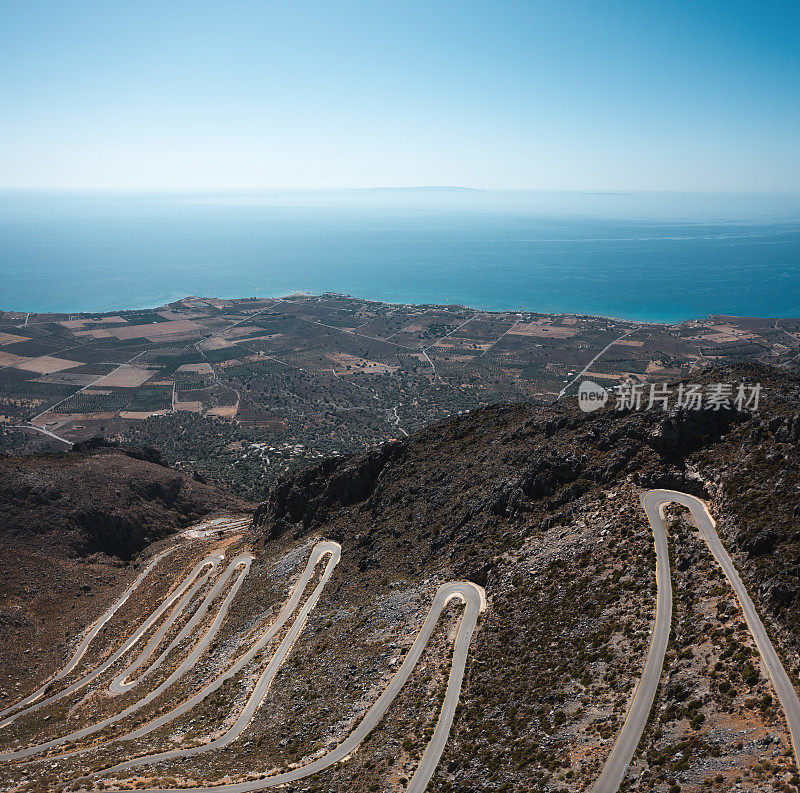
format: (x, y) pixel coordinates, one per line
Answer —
(660, 257)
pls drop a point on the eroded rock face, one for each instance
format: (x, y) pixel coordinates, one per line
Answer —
(536, 464)
(762, 543)
(684, 431)
(100, 500)
(308, 496)
(788, 430)
(779, 592)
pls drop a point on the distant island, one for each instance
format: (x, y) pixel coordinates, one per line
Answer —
(422, 189)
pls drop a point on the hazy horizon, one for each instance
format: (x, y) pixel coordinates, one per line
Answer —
(653, 256)
(686, 206)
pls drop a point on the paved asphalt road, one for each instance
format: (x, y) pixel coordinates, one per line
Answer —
(475, 602)
(211, 561)
(623, 750)
(628, 739)
(472, 596)
(242, 561)
(320, 550)
(653, 502)
(122, 683)
(785, 691)
(89, 636)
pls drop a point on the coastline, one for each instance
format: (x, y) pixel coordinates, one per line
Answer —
(150, 306)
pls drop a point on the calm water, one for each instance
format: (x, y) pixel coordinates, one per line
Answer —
(662, 257)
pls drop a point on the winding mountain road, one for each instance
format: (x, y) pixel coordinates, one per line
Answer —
(654, 503)
(94, 629)
(122, 682)
(470, 594)
(293, 616)
(474, 600)
(211, 561)
(89, 636)
(244, 560)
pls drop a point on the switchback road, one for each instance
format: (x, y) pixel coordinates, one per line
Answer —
(89, 636)
(470, 594)
(474, 601)
(295, 607)
(654, 503)
(293, 616)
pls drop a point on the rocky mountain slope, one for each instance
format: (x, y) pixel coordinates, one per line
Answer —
(70, 525)
(99, 500)
(539, 504)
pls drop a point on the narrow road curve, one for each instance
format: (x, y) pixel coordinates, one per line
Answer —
(474, 600)
(122, 682)
(261, 687)
(654, 503)
(433, 366)
(470, 594)
(396, 419)
(319, 551)
(241, 561)
(89, 636)
(211, 561)
(119, 685)
(322, 549)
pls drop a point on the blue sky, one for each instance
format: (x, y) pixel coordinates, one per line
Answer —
(508, 95)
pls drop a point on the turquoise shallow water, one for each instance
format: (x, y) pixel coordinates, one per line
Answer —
(658, 257)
